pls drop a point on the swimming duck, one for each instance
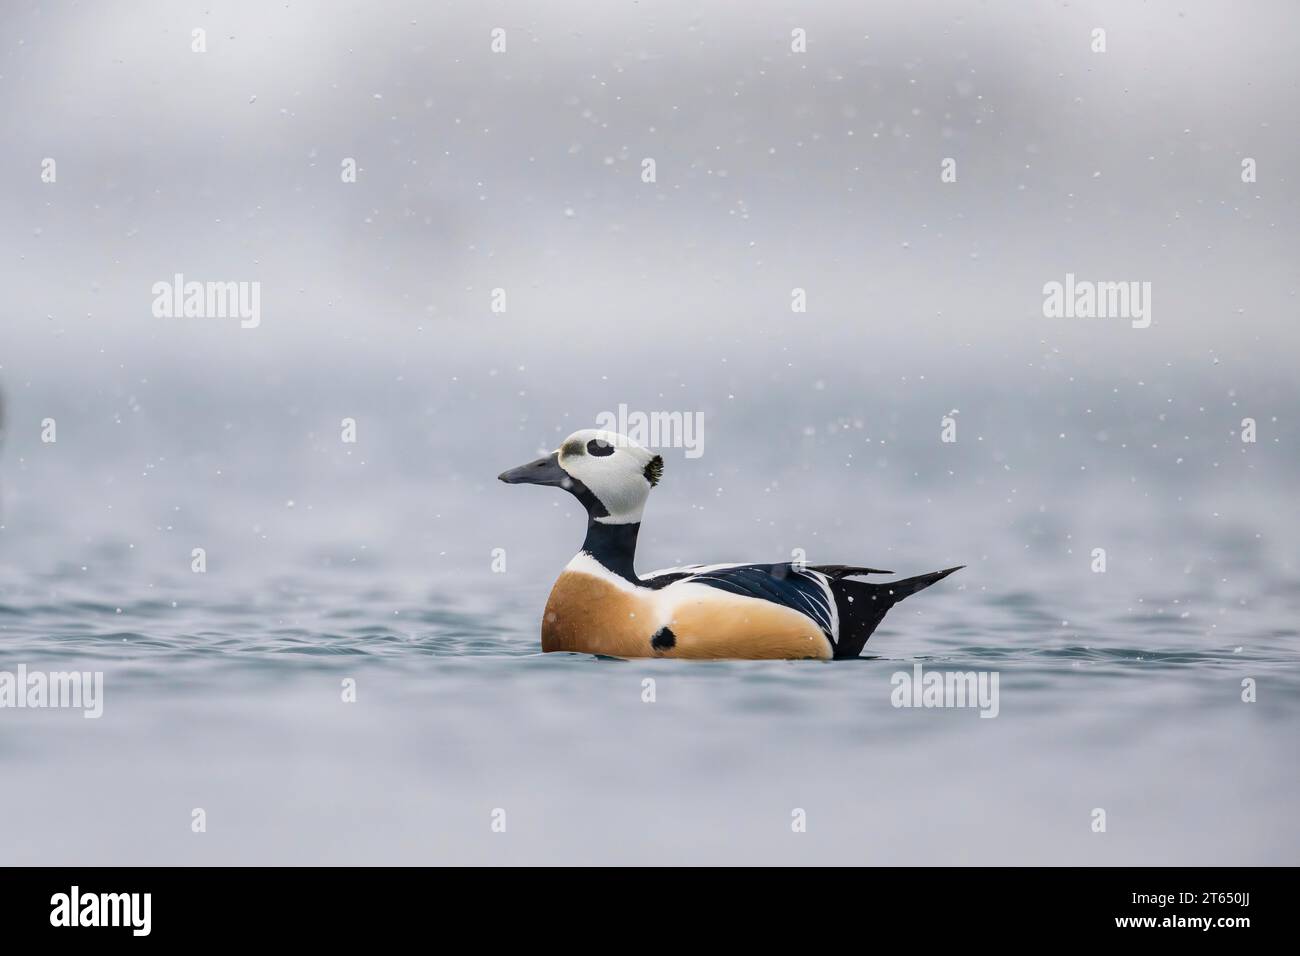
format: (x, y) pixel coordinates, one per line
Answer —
(601, 606)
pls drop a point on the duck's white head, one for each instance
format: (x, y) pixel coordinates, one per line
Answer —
(608, 472)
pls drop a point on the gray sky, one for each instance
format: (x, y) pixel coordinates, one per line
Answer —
(521, 170)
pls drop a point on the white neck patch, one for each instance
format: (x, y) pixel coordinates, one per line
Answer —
(583, 563)
(626, 517)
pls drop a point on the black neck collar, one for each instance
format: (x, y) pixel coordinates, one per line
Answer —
(614, 546)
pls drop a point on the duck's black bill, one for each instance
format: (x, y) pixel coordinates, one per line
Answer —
(543, 471)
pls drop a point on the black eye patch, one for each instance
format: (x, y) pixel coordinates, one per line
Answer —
(599, 448)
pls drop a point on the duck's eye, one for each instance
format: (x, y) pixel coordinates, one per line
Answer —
(599, 448)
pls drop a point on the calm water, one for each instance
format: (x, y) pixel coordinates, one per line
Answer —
(223, 691)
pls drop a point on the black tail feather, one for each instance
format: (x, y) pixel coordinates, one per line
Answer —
(862, 606)
(901, 589)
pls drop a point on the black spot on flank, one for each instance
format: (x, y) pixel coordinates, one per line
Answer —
(663, 640)
(654, 470)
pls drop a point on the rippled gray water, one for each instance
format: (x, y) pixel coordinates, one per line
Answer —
(1110, 697)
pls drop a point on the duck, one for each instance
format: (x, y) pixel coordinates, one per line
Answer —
(599, 604)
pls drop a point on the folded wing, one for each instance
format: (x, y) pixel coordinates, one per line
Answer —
(798, 588)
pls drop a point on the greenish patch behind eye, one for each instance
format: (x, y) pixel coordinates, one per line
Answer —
(654, 470)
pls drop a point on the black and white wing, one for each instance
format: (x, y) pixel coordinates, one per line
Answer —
(799, 588)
